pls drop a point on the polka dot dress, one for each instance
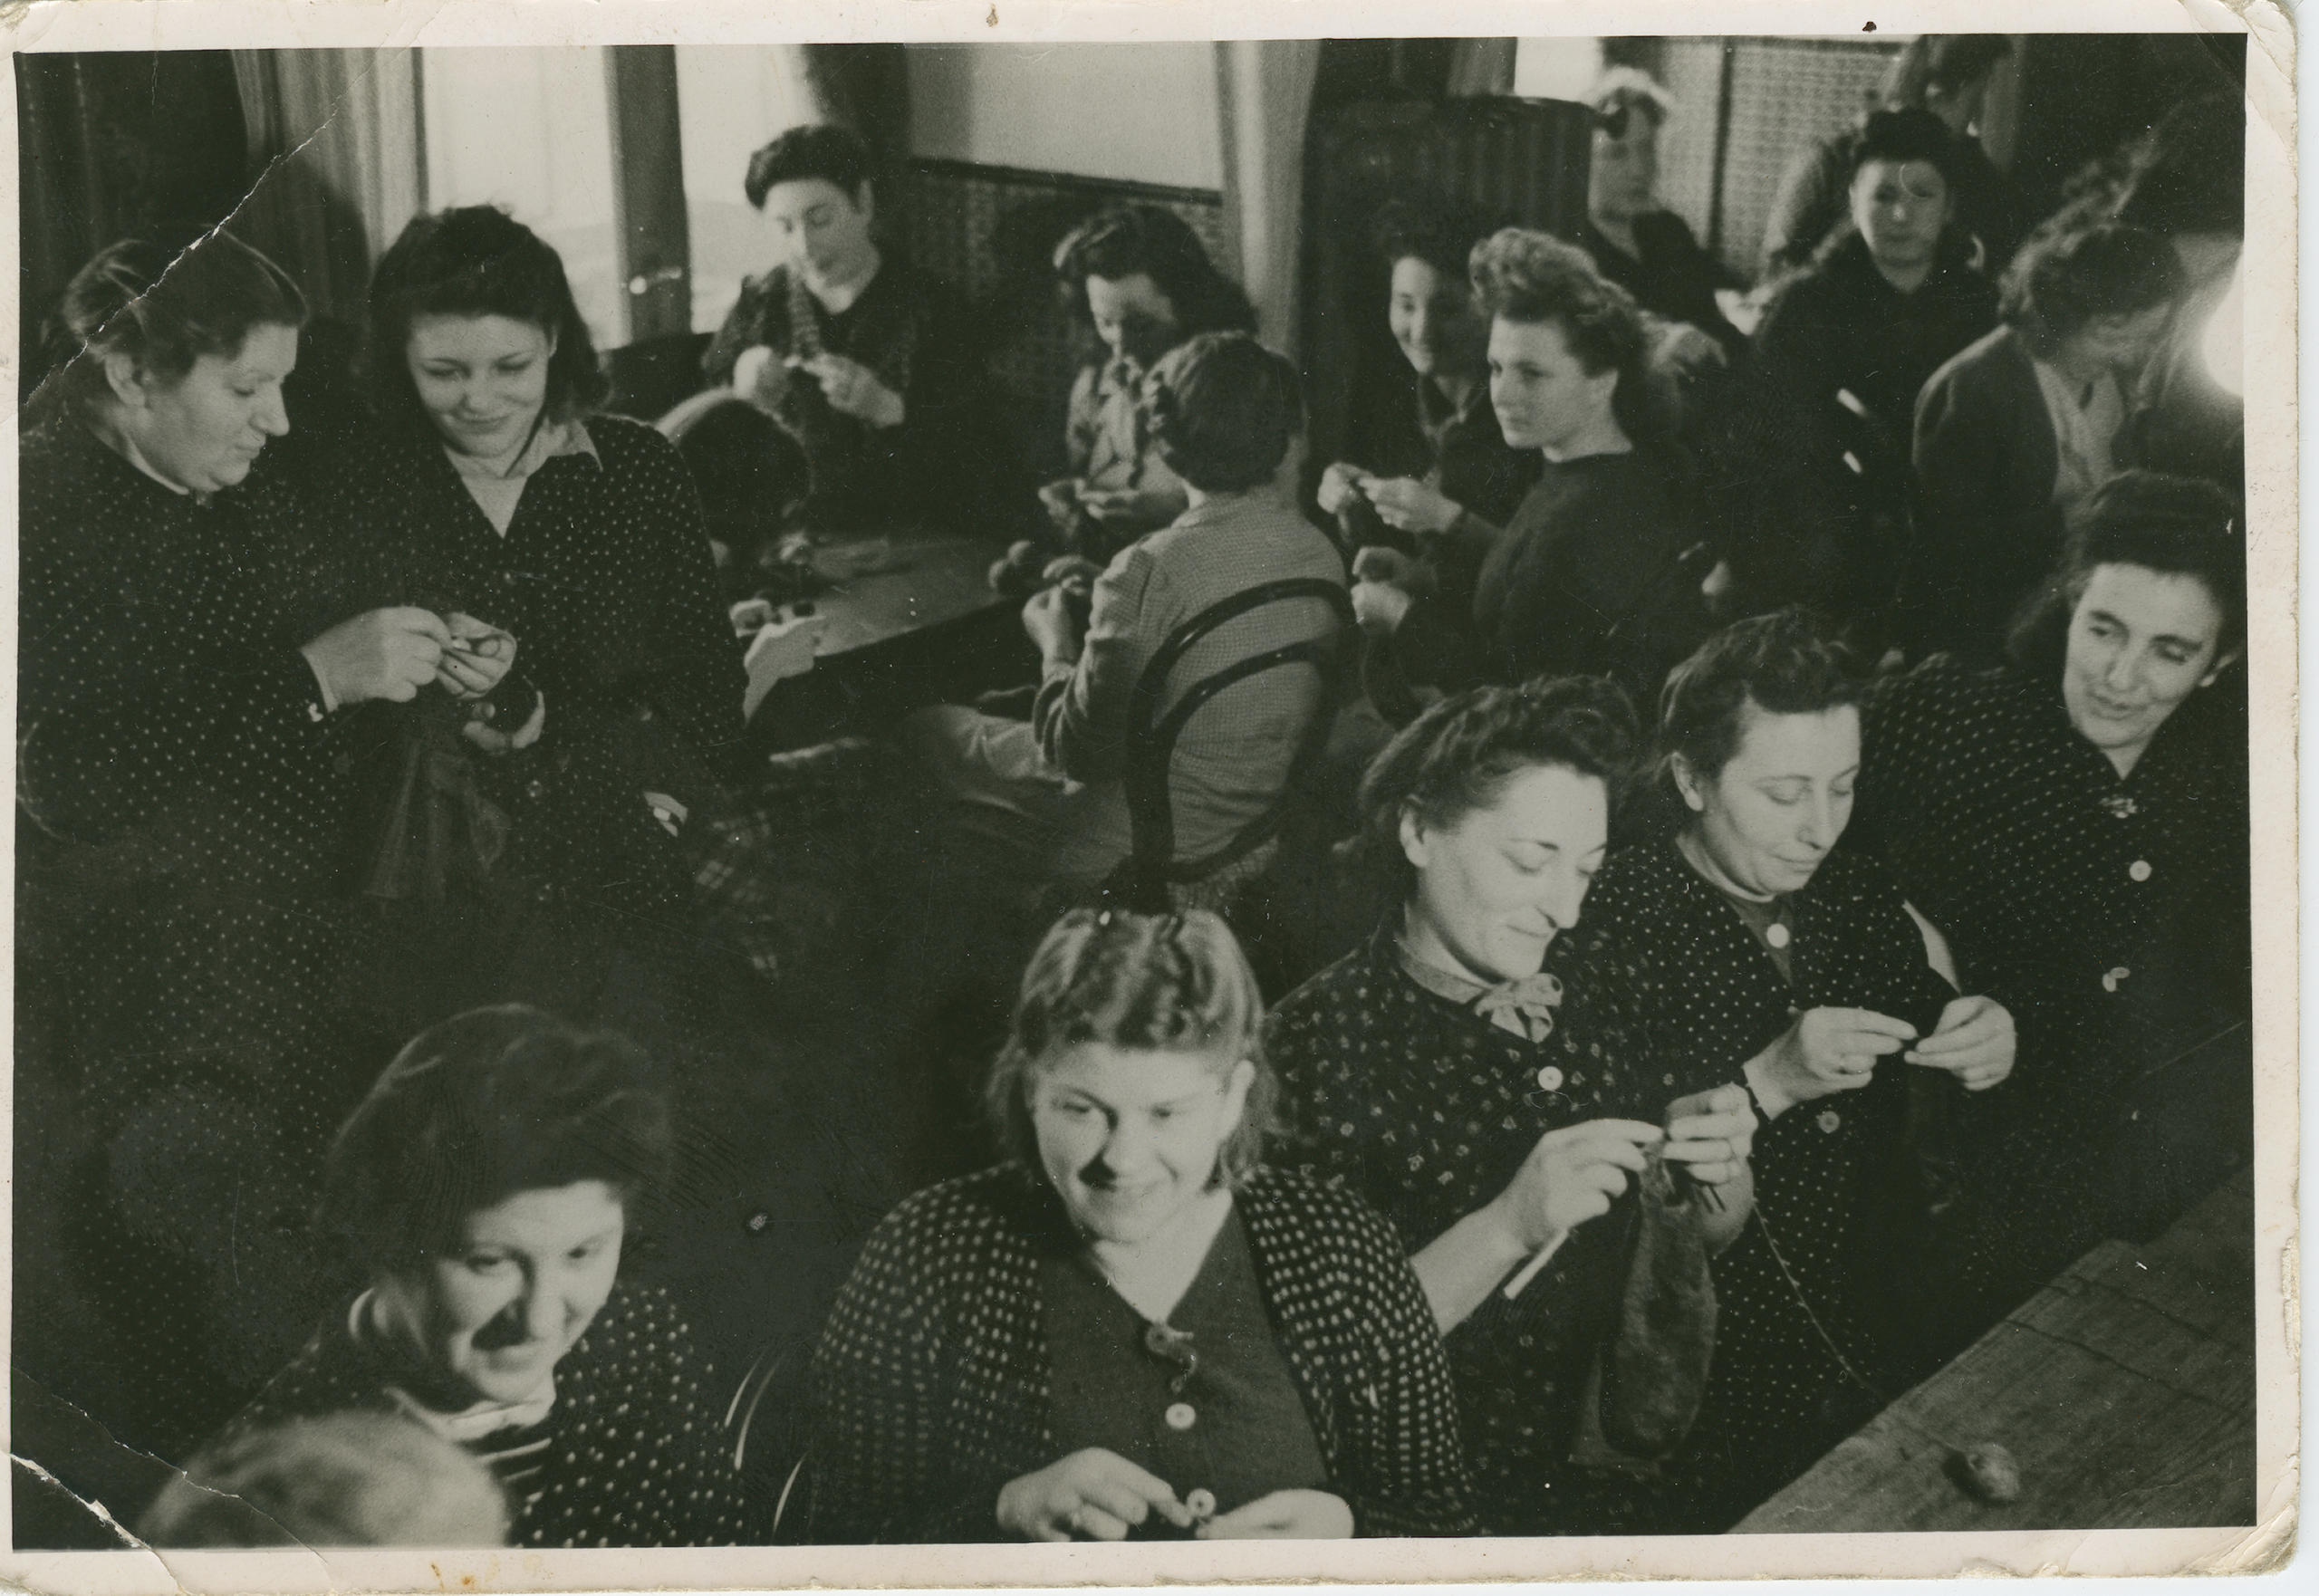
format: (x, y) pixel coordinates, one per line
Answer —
(1835, 1190)
(931, 1380)
(634, 1455)
(181, 801)
(605, 580)
(2108, 912)
(1426, 1110)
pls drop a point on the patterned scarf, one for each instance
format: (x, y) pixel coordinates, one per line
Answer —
(1525, 1006)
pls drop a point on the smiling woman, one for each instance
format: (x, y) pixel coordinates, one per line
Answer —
(1133, 1328)
(486, 1186)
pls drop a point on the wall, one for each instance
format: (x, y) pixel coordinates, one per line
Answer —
(1145, 113)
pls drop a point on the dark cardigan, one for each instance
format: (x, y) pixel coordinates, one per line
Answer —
(1987, 529)
(931, 1382)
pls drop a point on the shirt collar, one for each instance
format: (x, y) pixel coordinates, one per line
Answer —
(553, 439)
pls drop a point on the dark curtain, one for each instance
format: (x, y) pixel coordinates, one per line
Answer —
(866, 88)
(1382, 69)
(110, 146)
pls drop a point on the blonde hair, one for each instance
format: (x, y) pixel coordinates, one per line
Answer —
(1162, 983)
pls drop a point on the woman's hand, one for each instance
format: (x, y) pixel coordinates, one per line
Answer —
(1339, 485)
(478, 656)
(1572, 1175)
(1051, 627)
(853, 390)
(1135, 506)
(1380, 607)
(492, 740)
(1974, 1041)
(1284, 1515)
(1092, 1494)
(381, 654)
(1712, 1133)
(1407, 505)
(1826, 1051)
(759, 377)
(1060, 500)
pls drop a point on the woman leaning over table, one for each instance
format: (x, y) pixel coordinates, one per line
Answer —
(1134, 1327)
(1489, 1110)
(1757, 953)
(598, 686)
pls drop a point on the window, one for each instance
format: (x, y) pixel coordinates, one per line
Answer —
(530, 130)
(730, 102)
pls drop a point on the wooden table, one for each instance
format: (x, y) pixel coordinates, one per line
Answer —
(924, 625)
(2125, 1389)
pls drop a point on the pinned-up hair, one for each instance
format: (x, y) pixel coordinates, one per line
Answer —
(163, 311)
(1153, 983)
(2173, 525)
(478, 261)
(1624, 91)
(1458, 756)
(1520, 274)
(1224, 411)
(1909, 134)
(488, 1104)
(1783, 663)
(1123, 241)
(1439, 232)
(2069, 276)
(835, 155)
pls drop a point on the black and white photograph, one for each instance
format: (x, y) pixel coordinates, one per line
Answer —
(969, 784)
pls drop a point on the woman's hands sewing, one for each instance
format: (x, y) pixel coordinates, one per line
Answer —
(1284, 1515)
(1051, 627)
(853, 390)
(1710, 1134)
(1092, 1494)
(1385, 583)
(1407, 505)
(1825, 1052)
(1572, 1175)
(1974, 1041)
(381, 654)
(476, 659)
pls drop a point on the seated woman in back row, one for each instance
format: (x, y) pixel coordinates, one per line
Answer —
(1590, 576)
(1136, 277)
(1046, 796)
(1460, 471)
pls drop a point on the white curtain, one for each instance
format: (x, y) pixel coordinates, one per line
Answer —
(333, 144)
(1265, 95)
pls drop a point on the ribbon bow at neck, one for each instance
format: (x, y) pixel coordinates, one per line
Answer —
(1525, 1007)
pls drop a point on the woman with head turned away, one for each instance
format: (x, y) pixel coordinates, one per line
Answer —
(1133, 1328)
(1498, 1114)
(487, 1188)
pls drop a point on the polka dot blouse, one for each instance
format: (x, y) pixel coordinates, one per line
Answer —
(1835, 1180)
(634, 1455)
(931, 1382)
(1426, 1110)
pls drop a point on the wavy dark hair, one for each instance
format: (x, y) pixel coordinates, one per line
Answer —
(476, 260)
(1460, 755)
(2066, 278)
(2173, 525)
(1788, 662)
(1176, 983)
(165, 311)
(835, 155)
(1223, 409)
(1125, 240)
(1520, 274)
(486, 1105)
(1439, 230)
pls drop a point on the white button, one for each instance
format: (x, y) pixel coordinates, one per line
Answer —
(1180, 1416)
(1549, 1078)
(2139, 870)
(1776, 934)
(2110, 979)
(1830, 1121)
(1200, 1503)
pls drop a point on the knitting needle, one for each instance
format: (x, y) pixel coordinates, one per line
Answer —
(1538, 1260)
